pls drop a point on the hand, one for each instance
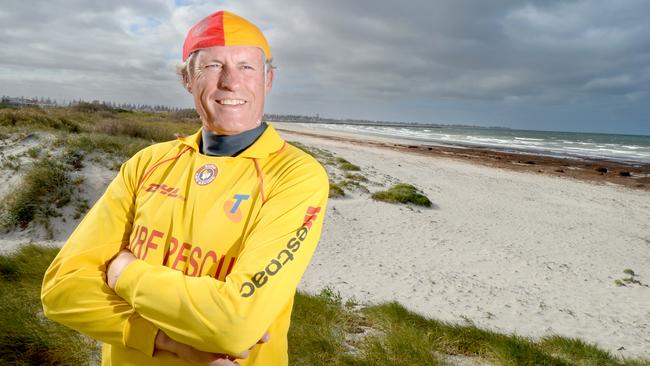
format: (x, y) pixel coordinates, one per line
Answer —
(117, 265)
(189, 353)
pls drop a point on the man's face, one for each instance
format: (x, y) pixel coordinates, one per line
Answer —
(228, 86)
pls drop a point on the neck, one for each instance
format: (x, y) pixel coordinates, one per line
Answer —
(213, 144)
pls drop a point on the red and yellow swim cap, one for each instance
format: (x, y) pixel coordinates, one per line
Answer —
(224, 29)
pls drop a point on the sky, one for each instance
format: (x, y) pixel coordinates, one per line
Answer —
(545, 65)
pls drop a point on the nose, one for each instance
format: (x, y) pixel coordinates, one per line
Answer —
(229, 79)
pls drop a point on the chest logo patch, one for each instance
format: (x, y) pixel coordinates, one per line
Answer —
(205, 174)
(232, 207)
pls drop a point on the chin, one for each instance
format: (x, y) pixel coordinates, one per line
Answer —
(230, 128)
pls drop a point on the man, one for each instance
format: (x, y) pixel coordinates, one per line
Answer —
(193, 254)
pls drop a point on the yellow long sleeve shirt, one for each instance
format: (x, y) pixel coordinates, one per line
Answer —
(221, 242)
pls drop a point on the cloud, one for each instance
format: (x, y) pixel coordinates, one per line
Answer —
(341, 58)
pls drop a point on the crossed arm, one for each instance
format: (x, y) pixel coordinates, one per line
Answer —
(162, 341)
(141, 315)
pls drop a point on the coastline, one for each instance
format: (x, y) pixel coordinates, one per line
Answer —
(505, 247)
(598, 171)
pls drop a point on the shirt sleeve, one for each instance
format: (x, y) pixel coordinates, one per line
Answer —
(229, 317)
(74, 291)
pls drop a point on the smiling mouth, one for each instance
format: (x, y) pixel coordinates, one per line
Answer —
(231, 101)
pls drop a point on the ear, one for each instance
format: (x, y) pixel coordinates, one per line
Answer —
(187, 83)
(269, 80)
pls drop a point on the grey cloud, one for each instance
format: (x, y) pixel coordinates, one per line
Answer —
(460, 49)
(342, 56)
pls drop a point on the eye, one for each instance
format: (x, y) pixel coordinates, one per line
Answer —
(213, 66)
(247, 67)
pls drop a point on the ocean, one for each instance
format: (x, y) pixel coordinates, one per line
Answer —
(627, 149)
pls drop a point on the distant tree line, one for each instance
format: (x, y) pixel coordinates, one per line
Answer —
(94, 105)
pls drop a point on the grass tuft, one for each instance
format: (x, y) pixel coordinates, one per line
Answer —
(355, 177)
(336, 191)
(27, 337)
(316, 331)
(349, 166)
(46, 186)
(402, 193)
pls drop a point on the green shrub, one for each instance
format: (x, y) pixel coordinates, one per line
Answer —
(402, 193)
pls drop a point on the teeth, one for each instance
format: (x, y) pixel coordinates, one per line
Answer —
(231, 101)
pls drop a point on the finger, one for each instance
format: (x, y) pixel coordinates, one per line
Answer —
(265, 338)
(223, 362)
(243, 355)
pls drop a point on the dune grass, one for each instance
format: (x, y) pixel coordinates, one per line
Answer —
(402, 193)
(324, 331)
(356, 177)
(323, 156)
(119, 146)
(336, 191)
(346, 165)
(26, 337)
(320, 331)
(45, 187)
(94, 118)
(35, 118)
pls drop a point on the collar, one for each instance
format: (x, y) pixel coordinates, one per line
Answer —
(213, 144)
(268, 143)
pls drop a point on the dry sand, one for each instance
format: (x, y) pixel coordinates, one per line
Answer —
(511, 251)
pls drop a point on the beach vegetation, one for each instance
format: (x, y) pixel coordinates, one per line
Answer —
(336, 191)
(631, 279)
(36, 118)
(45, 187)
(354, 185)
(119, 146)
(403, 193)
(389, 334)
(27, 337)
(135, 129)
(325, 330)
(349, 166)
(33, 152)
(323, 156)
(80, 208)
(355, 177)
(11, 164)
(330, 296)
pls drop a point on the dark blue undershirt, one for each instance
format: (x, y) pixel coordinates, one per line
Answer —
(229, 145)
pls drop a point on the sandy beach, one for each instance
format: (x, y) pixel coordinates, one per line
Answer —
(517, 251)
(509, 246)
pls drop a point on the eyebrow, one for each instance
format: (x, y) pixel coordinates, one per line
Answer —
(221, 62)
